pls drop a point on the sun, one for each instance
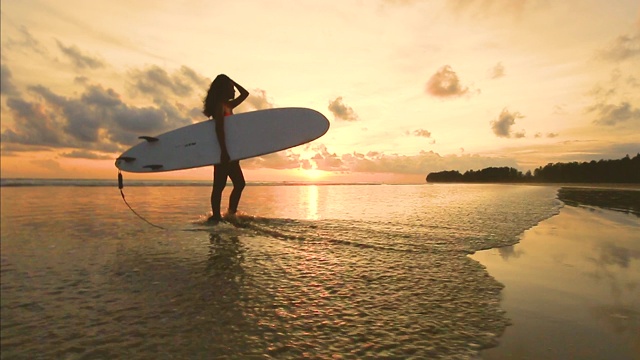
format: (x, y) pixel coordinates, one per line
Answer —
(313, 174)
(311, 171)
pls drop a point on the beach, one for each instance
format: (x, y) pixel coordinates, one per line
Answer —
(572, 282)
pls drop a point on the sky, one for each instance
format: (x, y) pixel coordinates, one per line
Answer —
(410, 86)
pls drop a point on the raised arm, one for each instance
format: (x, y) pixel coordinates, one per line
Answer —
(243, 95)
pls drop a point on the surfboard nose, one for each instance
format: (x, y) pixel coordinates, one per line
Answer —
(123, 160)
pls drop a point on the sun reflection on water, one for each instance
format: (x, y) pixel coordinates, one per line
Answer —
(312, 202)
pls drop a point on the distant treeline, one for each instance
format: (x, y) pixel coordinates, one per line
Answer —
(625, 170)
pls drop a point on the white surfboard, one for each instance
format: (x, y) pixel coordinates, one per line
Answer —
(248, 135)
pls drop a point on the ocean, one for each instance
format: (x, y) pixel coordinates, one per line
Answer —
(308, 271)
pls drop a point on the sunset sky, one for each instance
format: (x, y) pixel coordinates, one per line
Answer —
(410, 86)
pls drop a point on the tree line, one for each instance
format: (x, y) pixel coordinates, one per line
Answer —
(625, 170)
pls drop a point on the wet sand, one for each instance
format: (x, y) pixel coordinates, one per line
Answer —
(572, 284)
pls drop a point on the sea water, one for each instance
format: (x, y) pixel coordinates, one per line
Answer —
(332, 271)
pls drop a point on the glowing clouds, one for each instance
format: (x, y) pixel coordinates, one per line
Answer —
(502, 126)
(445, 84)
(623, 48)
(158, 83)
(328, 161)
(7, 86)
(257, 100)
(608, 114)
(80, 60)
(97, 120)
(422, 133)
(341, 111)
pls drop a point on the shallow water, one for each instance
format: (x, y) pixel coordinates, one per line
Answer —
(349, 271)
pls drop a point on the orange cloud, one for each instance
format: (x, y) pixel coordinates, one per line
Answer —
(445, 83)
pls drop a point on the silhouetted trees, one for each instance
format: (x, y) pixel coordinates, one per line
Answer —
(625, 170)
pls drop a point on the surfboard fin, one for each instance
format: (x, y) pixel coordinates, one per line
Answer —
(148, 138)
(153, 167)
(126, 158)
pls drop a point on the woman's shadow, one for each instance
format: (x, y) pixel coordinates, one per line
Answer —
(230, 327)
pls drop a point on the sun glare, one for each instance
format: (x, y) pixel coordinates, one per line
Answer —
(313, 174)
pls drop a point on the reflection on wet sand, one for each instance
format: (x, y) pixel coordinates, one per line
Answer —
(507, 252)
(572, 288)
(226, 256)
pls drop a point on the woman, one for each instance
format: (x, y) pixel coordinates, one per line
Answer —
(218, 104)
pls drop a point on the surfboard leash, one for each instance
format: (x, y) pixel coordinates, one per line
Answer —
(121, 186)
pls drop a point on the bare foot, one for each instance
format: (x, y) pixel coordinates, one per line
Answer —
(214, 220)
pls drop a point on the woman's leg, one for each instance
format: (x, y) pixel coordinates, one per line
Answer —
(235, 173)
(220, 173)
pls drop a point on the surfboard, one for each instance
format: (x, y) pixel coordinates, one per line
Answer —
(248, 135)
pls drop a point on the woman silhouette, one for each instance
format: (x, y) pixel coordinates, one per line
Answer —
(219, 103)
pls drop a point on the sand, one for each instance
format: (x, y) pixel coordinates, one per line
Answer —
(572, 284)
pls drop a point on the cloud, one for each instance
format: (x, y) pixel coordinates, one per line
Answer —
(502, 126)
(614, 102)
(618, 83)
(281, 160)
(34, 125)
(321, 158)
(422, 133)
(96, 95)
(374, 162)
(519, 134)
(341, 111)
(96, 120)
(445, 83)
(15, 149)
(633, 82)
(622, 48)
(83, 154)
(157, 82)
(7, 87)
(78, 59)
(257, 100)
(497, 71)
(26, 41)
(534, 155)
(549, 135)
(81, 123)
(611, 115)
(420, 164)
(328, 161)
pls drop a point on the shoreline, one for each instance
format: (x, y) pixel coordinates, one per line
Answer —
(572, 282)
